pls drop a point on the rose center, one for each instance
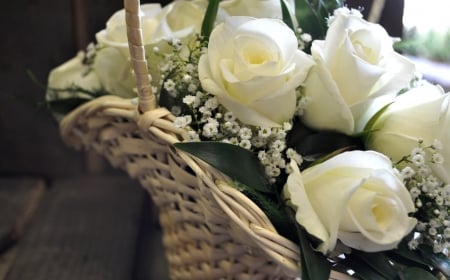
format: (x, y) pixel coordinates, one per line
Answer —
(256, 55)
(384, 211)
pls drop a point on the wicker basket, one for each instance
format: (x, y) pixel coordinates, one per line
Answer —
(210, 230)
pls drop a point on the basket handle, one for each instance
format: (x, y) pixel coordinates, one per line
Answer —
(147, 99)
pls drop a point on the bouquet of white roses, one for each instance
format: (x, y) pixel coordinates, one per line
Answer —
(349, 147)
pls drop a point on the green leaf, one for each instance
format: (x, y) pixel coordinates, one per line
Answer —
(286, 15)
(414, 273)
(323, 143)
(274, 210)
(370, 124)
(64, 106)
(314, 265)
(361, 269)
(378, 262)
(309, 20)
(312, 15)
(238, 163)
(210, 18)
(439, 261)
(408, 257)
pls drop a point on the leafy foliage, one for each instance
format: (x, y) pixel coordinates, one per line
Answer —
(312, 15)
(238, 163)
(210, 18)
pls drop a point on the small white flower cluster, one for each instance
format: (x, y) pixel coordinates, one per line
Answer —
(215, 123)
(206, 120)
(302, 102)
(179, 75)
(430, 194)
(303, 39)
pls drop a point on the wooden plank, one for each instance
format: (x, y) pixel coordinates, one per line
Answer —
(19, 198)
(87, 228)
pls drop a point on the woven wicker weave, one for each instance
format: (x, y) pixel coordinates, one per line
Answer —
(210, 230)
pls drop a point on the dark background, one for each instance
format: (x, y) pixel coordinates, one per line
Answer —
(90, 222)
(39, 35)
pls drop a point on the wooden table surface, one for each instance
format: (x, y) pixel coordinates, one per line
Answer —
(91, 227)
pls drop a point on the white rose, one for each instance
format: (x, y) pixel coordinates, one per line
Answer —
(253, 67)
(69, 74)
(114, 72)
(178, 19)
(356, 68)
(72, 73)
(258, 8)
(421, 113)
(355, 197)
(115, 34)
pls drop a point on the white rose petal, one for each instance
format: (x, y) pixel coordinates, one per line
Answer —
(355, 197)
(422, 113)
(253, 67)
(357, 73)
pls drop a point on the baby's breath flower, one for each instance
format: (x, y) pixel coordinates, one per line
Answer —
(447, 232)
(272, 171)
(421, 226)
(183, 121)
(213, 121)
(232, 127)
(175, 110)
(209, 130)
(415, 192)
(234, 141)
(418, 159)
(418, 203)
(437, 145)
(437, 247)
(187, 78)
(437, 158)
(176, 43)
(264, 132)
(246, 144)
(413, 244)
(275, 155)
(245, 133)
(432, 231)
(212, 103)
(306, 37)
(287, 126)
(417, 151)
(278, 145)
(169, 86)
(279, 134)
(407, 172)
(302, 103)
(190, 68)
(281, 163)
(229, 117)
(424, 171)
(193, 136)
(293, 155)
(258, 142)
(431, 182)
(192, 88)
(189, 99)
